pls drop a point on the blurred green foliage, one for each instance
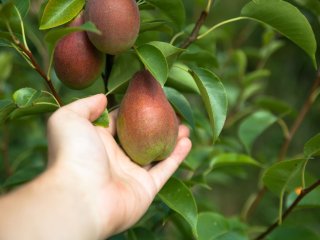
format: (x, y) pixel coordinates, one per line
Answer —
(267, 79)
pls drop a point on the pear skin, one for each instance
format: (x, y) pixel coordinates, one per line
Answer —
(147, 125)
(76, 61)
(118, 21)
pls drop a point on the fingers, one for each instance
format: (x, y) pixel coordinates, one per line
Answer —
(164, 169)
(183, 131)
(89, 108)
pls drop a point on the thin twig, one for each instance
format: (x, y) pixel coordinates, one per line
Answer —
(40, 71)
(195, 32)
(297, 123)
(284, 149)
(303, 193)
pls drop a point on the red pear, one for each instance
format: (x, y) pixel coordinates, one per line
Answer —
(147, 125)
(118, 21)
(76, 61)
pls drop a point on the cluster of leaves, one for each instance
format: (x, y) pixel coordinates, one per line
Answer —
(217, 84)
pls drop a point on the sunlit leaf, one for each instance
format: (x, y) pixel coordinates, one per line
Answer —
(59, 12)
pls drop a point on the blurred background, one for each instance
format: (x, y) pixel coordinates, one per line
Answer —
(260, 69)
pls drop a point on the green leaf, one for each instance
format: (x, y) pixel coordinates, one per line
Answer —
(232, 159)
(179, 198)
(181, 79)
(24, 97)
(122, 72)
(293, 24)
(199, 57)
(30, 101)
(312, 147)
(58, 12)
(214, 97)
(254, 125)
(22, 176)
(173, 9)
(154, 61)
(211, 225)
(277, 178)
(168, 50)
(103, 120)
(180, 104)
(6, 107)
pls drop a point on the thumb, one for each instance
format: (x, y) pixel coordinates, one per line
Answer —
(89, 108)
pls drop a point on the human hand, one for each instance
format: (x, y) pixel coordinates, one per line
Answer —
(117, 191)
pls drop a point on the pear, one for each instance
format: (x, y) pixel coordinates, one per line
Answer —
(147, 125)
(76, 61)
(118, 21)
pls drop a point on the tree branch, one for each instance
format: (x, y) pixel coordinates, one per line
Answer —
(302, 195)
(297, 123)
(195, 32)
(40, 71)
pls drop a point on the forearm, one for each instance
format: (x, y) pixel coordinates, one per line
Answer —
(47, 208)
